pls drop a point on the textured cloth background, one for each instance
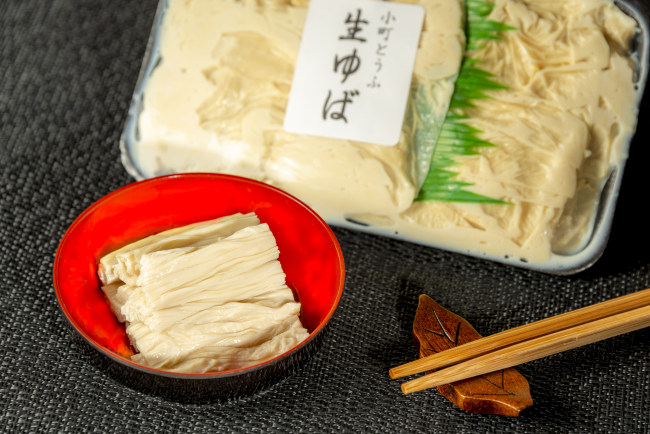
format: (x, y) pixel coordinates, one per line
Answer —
(67, 73)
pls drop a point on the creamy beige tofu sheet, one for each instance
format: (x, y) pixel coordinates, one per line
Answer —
(205, 297)
(570, 108)
(216, 103)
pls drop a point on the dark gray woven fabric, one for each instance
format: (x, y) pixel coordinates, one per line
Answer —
(67, 73)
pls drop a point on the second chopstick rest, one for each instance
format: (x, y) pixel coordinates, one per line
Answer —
(505, 392)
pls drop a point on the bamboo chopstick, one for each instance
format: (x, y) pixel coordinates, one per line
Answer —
(526, 332)
(536, 348)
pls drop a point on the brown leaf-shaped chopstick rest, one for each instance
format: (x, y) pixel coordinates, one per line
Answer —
(504, 392)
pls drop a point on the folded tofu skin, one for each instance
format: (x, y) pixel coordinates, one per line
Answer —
(206, 297)
(562, 118)
(217, 99)
(569, 108)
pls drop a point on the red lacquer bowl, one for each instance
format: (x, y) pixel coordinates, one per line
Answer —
(309, 253)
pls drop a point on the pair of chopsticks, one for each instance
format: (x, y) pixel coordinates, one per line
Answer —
(529, 342)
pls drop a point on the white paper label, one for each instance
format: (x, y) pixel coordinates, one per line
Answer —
(354, 70)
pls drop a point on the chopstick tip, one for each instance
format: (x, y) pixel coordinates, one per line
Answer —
(405, 390)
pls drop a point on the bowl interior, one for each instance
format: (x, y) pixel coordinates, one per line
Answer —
(309, 252)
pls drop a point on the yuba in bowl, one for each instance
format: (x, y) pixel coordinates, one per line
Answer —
(310, 257)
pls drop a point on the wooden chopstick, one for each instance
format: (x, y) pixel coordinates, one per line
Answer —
(526, 332)
(536, 348)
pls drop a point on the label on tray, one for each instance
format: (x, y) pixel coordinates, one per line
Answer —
(354, 69)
